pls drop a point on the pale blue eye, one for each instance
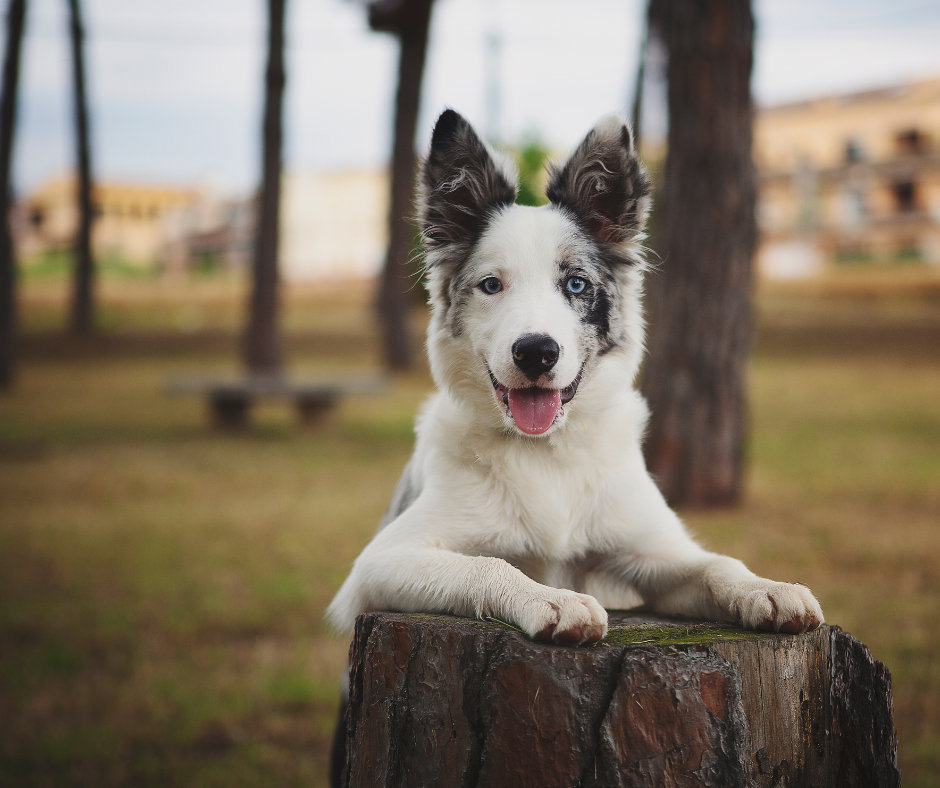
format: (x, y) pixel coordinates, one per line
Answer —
(576, 285)
(491, 285)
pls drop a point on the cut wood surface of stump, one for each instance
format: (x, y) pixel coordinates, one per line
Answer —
(452, 702)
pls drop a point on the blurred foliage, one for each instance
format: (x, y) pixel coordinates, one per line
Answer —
(59, 264)
(531, 156)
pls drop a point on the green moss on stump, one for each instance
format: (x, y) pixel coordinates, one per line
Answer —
(627, 634)
(674, 634)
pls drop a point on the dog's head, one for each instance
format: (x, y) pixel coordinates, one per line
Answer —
(527, 303)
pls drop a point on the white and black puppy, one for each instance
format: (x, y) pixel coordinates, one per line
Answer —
(527, 498)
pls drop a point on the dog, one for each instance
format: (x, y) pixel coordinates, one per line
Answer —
(527, 498)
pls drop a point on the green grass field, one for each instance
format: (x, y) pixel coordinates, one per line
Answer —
(162, 586)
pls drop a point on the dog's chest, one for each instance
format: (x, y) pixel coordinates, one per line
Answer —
(543, 507)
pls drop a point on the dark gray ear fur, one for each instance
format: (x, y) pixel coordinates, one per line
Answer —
(603, 184)
(462, 184)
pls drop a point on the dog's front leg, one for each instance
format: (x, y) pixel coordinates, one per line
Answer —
(656, 556)
(720, 588)
(395, 572)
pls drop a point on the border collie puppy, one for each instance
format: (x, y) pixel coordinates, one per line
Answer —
(527, 498)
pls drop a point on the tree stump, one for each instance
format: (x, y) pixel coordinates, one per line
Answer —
(452, 702)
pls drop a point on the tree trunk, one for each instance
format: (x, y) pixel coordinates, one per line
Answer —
(448, 702)
(83, 311)
(636, 111)
(16, 14)
(700, 304)
(409, 19)
(263, 352)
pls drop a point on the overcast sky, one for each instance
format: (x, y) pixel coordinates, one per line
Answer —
(175, 85)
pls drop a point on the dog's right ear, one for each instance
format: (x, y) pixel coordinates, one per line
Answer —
(463, 182)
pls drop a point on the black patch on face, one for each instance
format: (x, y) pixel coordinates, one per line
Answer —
(597, 306)
(598, 314)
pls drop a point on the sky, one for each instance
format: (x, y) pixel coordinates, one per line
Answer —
(175, 86)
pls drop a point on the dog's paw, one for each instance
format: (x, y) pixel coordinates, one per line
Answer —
(565, 617)
(779, 607)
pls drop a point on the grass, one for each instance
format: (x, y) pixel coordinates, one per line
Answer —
(57, 265)
(162, 586)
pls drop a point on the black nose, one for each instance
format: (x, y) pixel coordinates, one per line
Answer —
(535, 354)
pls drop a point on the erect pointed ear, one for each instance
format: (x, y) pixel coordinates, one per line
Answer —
(603, 183)
(463, 182)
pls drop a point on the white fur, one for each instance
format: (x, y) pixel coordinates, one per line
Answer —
(522, 527)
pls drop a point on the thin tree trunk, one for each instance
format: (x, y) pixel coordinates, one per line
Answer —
(700, 304)
(83, 308)
(16, 14)
(397, 278)
(636, 113)
(263, 352)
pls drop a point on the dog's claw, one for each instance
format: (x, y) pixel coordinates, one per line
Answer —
(569, 637)
(792, 627)
(544, 635)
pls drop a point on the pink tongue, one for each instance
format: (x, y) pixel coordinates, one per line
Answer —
(534, 409)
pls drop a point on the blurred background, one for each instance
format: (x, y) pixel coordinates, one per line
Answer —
(163, 580)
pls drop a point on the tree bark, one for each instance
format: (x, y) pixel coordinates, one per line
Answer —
(448, 702)
(700, 304)
(409, 20)
(263, 349)
(16, 14)
(83, 311)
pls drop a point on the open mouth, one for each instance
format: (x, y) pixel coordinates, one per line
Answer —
(533, 408)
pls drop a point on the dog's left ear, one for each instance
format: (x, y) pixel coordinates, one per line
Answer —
(603, 184)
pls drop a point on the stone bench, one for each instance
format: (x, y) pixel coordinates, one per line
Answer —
(230, 398)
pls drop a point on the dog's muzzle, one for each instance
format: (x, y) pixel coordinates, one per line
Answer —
(535, 409)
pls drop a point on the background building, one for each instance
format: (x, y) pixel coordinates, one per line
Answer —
(333, 225)
(209, 233)
(129, 219)
(843, 179)
(850, 178)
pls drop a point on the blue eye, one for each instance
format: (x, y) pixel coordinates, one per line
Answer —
(491, 285)
(576, 285)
